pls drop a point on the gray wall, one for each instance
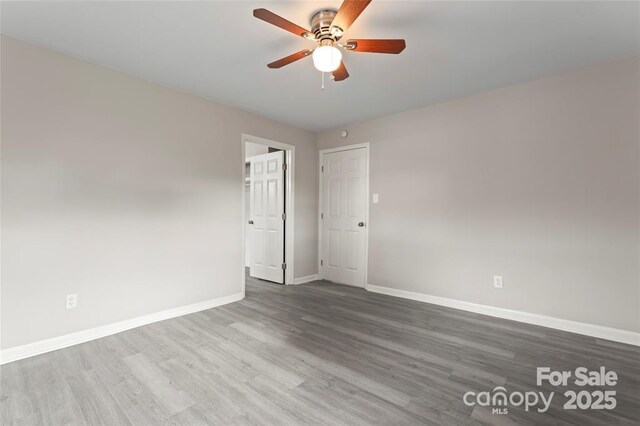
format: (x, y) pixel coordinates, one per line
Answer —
(124, 192)
(538, 182)
(128, 194)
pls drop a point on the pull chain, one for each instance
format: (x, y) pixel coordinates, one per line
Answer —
(322, 80)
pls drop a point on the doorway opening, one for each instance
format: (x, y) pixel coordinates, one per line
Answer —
(268, 210)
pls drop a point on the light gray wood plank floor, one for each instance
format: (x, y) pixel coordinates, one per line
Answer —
(318, 353)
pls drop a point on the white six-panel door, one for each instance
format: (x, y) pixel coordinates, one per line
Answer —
(266, 218)
(343, 219)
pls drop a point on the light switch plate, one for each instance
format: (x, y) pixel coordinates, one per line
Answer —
(497, 281)
(376, 199)
(72, 301)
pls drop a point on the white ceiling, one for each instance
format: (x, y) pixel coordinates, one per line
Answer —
(218, 50)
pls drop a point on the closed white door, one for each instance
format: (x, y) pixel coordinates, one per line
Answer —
(266, 216)
(344, 199)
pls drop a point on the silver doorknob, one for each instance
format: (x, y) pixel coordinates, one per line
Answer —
(250, 222)
(360, 224)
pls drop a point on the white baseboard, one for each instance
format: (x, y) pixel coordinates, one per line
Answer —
(36, 348)
(307, 279)
(608, 333)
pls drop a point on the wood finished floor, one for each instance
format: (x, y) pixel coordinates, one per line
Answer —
(318, 353)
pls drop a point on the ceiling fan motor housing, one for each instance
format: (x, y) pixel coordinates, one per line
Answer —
(321, 25)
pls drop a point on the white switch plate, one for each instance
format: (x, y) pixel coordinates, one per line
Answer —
(72, 301)
(375, 199)
(497, 281)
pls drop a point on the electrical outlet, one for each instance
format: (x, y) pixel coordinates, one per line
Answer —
(72, 301)
(497, 281)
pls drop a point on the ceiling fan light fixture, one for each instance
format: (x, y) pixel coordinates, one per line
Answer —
(327, 26)
(327, 58)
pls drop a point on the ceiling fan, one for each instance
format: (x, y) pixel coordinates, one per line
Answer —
(327, 28)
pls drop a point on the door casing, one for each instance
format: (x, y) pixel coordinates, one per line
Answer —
(322, 152)
(289, 204)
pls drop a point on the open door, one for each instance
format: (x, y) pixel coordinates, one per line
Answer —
(266, 216)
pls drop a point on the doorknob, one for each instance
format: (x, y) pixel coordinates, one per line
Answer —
(360, 224)
(250, 222)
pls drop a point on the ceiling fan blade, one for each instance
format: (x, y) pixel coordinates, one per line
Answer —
(376, 45)
(341, 73)
(279, 21)
(289, 59)
(348, 13)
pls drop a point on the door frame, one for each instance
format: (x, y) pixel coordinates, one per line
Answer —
(290, 155)
(322, 152)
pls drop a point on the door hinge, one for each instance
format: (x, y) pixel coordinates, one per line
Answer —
(321, 215)
(284, 167)
(321, 262)
(322, 169)
(284, 266)
(284, 216)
